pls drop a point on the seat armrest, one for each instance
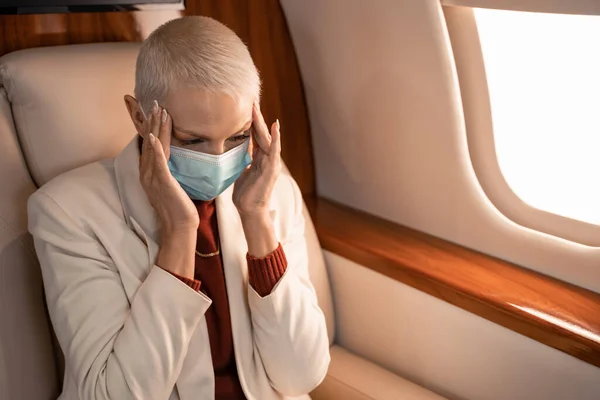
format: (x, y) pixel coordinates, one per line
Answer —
(353, 378)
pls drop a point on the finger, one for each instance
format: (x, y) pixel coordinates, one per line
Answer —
(256, 150)
(153, 134)
(252, 145)
(261, 132)
(164, 135)
(146, 127)
(275, 139)
(146, 148)
(155, 128)
(159, 161)
(146, 124)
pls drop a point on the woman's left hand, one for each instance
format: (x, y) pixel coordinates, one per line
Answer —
(252, 190)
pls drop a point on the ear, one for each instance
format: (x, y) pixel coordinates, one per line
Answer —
(136, 114)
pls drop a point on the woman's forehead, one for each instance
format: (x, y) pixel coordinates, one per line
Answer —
(206, 113)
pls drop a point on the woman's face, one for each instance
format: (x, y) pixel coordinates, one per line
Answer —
(207, 122)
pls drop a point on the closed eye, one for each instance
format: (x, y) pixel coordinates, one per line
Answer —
(241, 137)
(191, 142)
(237, 138)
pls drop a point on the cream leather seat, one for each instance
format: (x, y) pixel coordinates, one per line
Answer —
(60, 108)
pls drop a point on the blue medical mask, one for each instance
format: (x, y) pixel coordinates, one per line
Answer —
(205, 176)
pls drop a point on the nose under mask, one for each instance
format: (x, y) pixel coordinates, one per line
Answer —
(205, 176)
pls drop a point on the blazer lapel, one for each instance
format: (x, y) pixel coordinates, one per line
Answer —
(234, 249)
(139, 214)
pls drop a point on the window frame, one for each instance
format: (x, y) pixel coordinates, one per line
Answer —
(584, 7)
(473, 88)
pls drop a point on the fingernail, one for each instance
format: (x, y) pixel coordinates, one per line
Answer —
(278, 125)
(155, 107)
(164, 116)
(152, 138)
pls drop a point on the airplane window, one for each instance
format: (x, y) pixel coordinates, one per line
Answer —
(543, 73)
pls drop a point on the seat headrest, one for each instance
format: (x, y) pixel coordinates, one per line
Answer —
(67, 103)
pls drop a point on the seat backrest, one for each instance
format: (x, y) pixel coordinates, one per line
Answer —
(27, 362)
(62, 107)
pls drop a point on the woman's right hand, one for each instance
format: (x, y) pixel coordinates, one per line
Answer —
(173, 206)
(178, 215)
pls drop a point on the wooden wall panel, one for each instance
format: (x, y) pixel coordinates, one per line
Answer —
(24, 31)
(260, 23)
(262, 26)
(542, 308)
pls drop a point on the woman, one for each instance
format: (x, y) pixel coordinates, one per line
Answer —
(179, 270)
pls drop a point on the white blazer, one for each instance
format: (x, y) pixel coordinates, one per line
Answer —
(131, 330)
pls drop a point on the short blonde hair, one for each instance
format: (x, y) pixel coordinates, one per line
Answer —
(197, 51)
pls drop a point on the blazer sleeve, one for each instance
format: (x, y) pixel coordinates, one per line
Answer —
(289, 327)
(113, 349)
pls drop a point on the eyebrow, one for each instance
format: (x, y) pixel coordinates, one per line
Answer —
(200, 136)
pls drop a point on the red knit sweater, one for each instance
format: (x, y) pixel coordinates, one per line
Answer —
(263, 273)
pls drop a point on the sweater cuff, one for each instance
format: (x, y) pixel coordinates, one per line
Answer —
(193, 283)
(264, 273)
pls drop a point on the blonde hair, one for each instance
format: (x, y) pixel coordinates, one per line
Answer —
(197, 51)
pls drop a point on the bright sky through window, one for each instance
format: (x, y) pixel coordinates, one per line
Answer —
(543, 74)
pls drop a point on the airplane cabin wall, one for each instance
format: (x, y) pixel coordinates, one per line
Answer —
(389, 135)
(389, 138)
(444, 348)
